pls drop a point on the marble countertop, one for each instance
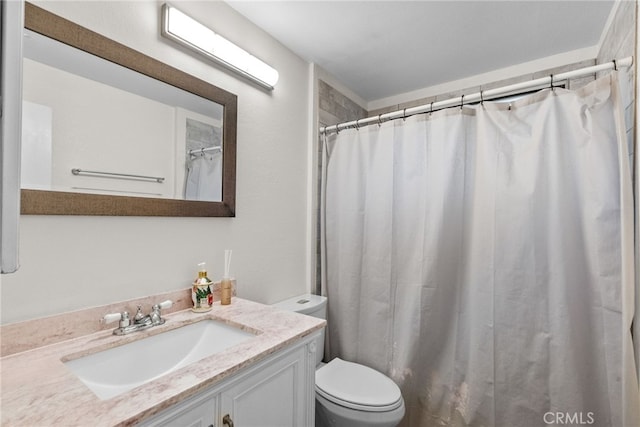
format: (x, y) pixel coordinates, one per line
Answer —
(39, 390)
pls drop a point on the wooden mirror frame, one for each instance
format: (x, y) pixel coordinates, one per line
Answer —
(39, 202)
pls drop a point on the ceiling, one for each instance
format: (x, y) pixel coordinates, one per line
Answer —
(384, 48)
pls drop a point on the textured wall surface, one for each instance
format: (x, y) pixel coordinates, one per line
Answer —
(336, 107)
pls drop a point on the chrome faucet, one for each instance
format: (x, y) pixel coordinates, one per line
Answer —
(140, 321)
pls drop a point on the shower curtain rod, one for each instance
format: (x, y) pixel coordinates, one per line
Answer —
(203, 150)
(480, 96)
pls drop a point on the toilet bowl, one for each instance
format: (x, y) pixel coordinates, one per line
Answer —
(348, 394)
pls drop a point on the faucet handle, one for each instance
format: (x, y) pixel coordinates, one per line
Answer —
(165, 304)
(122, 317)
(111, 317)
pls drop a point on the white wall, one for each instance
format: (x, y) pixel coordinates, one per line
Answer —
(70, 262)
(134, 135)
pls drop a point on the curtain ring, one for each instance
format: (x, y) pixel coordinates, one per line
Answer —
(551, 82)
(404, 115)
(337, 129)
(615, 65)
(461, 101)
(481, 98)
(357, 125)
(431, 108)
(379, 120)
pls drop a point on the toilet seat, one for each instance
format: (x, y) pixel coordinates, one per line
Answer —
(358, 387)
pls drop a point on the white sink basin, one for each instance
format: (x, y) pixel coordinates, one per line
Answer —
(120, 369)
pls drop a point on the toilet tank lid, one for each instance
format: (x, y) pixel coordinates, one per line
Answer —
(304, 304)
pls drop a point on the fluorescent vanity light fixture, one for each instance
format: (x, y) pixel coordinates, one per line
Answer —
(187, 31)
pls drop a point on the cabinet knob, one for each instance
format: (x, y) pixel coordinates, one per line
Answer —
(227, 421)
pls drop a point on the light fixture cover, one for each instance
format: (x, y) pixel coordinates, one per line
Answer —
(185, 30)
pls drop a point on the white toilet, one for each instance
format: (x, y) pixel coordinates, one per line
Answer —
(348, 394)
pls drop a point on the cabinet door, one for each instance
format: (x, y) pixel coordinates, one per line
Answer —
(276, 395)
(191, 413)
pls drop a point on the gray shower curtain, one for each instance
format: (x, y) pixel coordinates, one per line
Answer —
(482, 257)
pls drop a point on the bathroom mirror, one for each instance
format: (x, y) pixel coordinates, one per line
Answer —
(111, 131)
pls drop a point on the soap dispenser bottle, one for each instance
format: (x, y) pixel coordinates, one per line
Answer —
(201, 292)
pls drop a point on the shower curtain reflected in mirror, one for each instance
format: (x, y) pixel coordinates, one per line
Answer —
(203, 178)
(203, 170)
(483, 258)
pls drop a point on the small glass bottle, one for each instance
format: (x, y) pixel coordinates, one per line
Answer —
(201, 292)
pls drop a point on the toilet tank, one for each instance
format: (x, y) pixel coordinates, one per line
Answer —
(311, 305)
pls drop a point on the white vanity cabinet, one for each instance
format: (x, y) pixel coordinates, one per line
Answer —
(199, 411)
(276, 392)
